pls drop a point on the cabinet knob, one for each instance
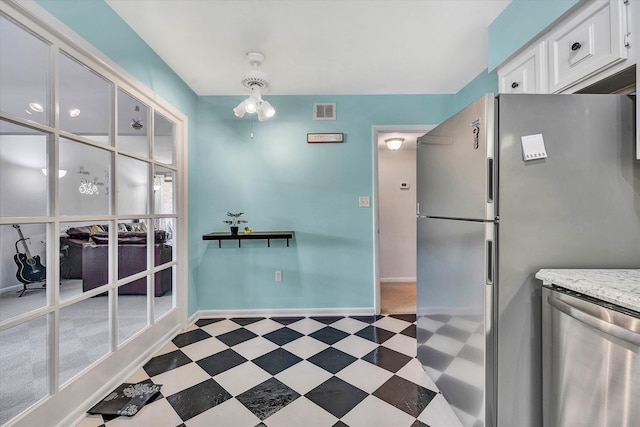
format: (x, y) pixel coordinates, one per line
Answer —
(515, 85)
(576, 46)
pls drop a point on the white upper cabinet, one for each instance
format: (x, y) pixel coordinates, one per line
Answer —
(592, 40)
(524, 74)
(591, 43)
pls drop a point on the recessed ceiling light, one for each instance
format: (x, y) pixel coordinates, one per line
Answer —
(75, 112)
(36, 107)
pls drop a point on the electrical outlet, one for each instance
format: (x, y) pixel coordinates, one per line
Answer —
(364, 201)
(278, 276)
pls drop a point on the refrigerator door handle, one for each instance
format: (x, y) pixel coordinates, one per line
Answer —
(454, 218)
(490, 181)
(490, 263)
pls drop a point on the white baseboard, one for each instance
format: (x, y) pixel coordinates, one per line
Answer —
(397, 279)
(12, 288)
(286, 312)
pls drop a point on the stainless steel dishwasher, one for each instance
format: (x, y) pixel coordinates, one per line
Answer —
(590, 361)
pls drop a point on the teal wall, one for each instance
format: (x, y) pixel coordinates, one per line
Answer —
(482, 84)
(97, 23)
(518, 23)
(283, 183)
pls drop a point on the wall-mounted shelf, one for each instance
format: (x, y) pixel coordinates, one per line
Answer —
(257, 235)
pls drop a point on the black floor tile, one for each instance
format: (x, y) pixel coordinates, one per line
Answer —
(423, 335)
(166, 362)
(332, 360)
(199, 398)
(419, 424)
(267, 398)
(444, 318)
(367, 319)
(283, 336)
(472, 354)
(405, 395)
(220, 362)
(462, 395)
(410, 331)
(236, 337)
(276, 361)
(329, 335)
(377, 335)
(406, 317)
(433, 358)
(190, 337)
(336, 396)
(327, 320)
(205, 322)
(388, 359)
(453, 332)
(286, 320)
(339, 424)
(244, 321)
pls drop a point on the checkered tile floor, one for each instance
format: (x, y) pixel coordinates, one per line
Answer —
(451, 351)
(289, 372)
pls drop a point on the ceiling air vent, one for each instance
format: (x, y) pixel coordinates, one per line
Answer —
(324, 111)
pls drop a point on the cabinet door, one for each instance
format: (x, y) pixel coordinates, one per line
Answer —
(591, 41)
(526, 73)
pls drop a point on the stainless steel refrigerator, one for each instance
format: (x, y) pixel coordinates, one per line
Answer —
(490, 216)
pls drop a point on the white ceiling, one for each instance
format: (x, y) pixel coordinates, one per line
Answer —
(319, 46)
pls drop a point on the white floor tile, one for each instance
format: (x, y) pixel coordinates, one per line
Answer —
(349, 325)
(255, 347)
(466, 371)
(402, 344)
(306, 326)
(355, 346)
(374, 412)
(201, 349)
(91, 421)
(180, 378)
(138, 376)
(241, 378)
(303, 377)
(391, 324)
(364, 375)
(158, 413)
(439, 414)
(477, 340)
(263, 327)
(222, 327)
(305, 347)
(444, 344)
(168, 348)
(301, 412)
(414, 372)
(428, 324)
(227, 414)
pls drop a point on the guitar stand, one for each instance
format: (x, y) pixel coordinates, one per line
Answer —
(25, 288)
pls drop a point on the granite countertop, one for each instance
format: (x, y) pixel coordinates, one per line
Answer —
(620, 287)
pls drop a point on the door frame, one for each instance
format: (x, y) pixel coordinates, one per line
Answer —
(375, 131)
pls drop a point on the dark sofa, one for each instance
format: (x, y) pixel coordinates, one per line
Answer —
(87, 258)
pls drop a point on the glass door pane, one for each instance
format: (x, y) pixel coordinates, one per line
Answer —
(25, 67)
(163, 139)
(133, 186)
(133, 129)
(23, 169)
(87, 189)
(85, 101)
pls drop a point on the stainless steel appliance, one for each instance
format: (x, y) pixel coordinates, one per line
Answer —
(591, 361)
(488, 220)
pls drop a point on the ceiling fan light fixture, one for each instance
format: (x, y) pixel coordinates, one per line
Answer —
(394, 143)
(257, 81)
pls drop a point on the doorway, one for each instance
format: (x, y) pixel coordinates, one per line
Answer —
(394, 219)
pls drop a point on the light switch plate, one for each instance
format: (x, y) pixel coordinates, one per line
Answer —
(364, 201)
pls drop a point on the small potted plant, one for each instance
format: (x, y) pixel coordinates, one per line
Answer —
(234, 221)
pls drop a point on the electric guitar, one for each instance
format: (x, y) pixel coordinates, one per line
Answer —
(30, 269)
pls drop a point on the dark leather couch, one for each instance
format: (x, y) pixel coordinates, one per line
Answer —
(88, 251)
